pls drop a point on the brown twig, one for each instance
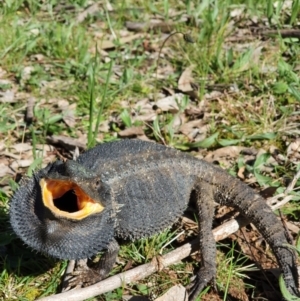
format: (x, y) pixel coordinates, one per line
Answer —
(145, 270)
(284, 195)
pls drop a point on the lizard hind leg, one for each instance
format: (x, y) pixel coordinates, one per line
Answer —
(205, 208)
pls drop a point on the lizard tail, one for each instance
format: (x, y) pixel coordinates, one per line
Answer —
(234, 193)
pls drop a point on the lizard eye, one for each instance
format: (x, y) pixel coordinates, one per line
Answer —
(96, 184)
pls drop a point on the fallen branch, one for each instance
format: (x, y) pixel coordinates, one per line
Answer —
(158, 263)
(145, 270)
(121, 279)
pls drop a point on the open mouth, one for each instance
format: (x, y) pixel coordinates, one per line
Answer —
(66, 198)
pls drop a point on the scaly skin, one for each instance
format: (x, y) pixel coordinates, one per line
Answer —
(143, 188)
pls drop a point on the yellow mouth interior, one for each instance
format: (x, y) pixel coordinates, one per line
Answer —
(65, 198)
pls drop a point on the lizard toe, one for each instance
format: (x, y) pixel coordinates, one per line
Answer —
(83, 278)
(203, 278)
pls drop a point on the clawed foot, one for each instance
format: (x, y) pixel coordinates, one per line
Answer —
(200, 282)
(81, 276)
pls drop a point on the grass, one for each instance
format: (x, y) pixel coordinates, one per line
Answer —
(246, 94)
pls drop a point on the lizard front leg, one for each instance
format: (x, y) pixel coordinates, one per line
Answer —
(85, 276)
(205, 207)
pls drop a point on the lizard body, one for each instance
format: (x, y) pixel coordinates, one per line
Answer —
(135, 189)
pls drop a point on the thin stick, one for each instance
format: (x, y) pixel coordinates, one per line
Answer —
(286, 197)
(145, 270)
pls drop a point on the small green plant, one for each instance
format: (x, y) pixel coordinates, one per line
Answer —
(126, 118)
(285, 293)
(290, 84)
(232, 268)
(146, 248)
(256, 170)
(92, 73)
(48, 122)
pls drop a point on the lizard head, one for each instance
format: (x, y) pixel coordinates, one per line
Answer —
(64, 210)
(74, 195)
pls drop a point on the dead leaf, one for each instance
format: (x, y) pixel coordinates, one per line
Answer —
(11, 155)
(66, 142)
(38, 57)
(169, 90)
(104, 126)
(22, 147)
(132, 132)
(186, 79)
(5, 170)
(128, 265)
(108, 44)
(45, 151)
(170, 103)
(194, 112)
(3, 73)
(237, 12)
(7, 97)
(213, 95)
(224, 152)
(293, 151)
(241, 172)
(68, 112)
(89, 11)
(189, 226)
(144, 138)
(292, 227)
(2, 146)
(45, 147)
(143, 111)
(192, 128)
(21, 163)
(175, 293)
(26, 72)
